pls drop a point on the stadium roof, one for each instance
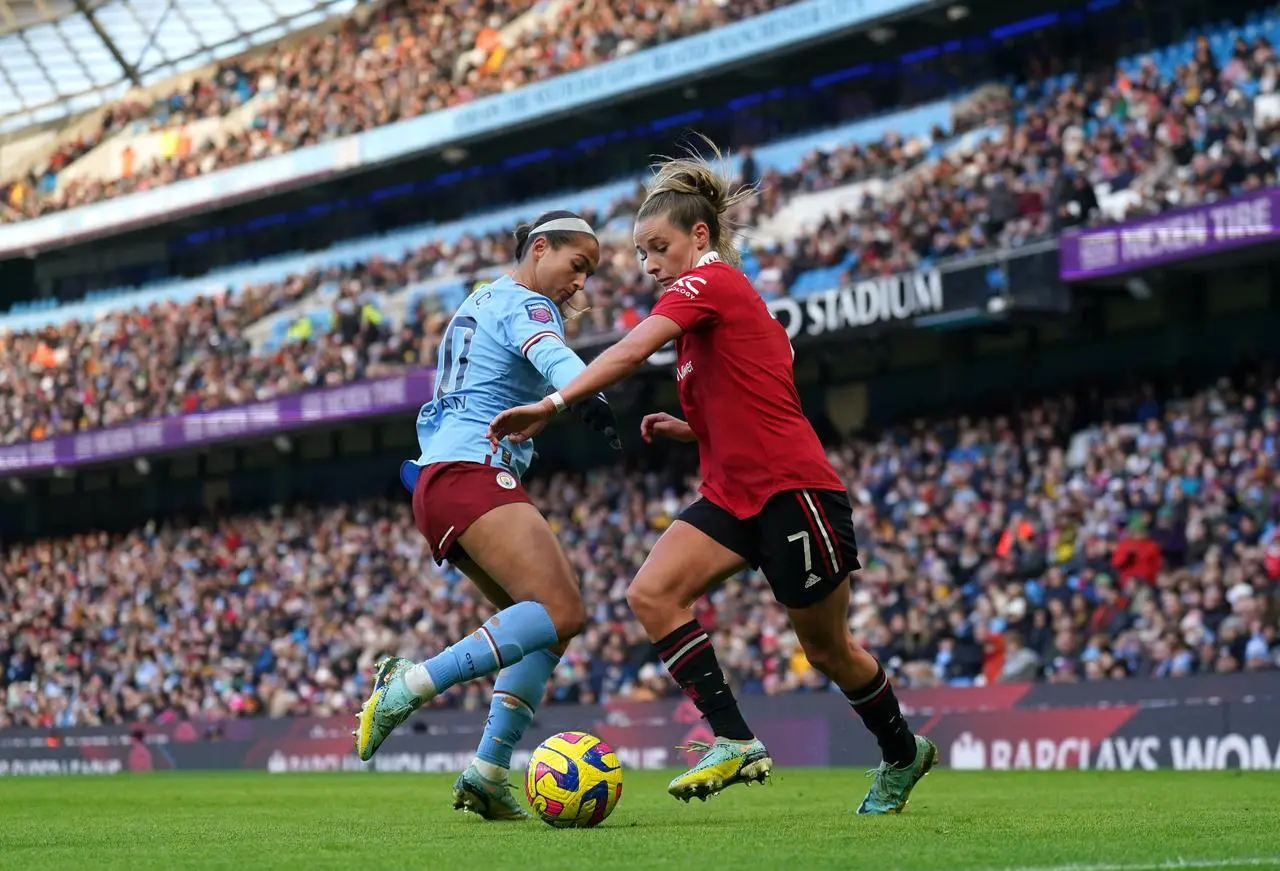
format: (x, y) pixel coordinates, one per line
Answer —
(60, 57)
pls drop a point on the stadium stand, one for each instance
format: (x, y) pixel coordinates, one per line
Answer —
(1066, 541)
(179, 357)
(422, 53)
(1172, 128)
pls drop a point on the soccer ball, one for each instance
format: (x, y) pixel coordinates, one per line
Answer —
(574, 780)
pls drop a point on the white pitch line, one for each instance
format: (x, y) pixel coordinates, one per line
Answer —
(1166, 865)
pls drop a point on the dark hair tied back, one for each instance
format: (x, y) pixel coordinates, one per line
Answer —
(555, 238)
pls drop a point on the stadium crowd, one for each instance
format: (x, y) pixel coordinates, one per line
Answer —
(176, 358)
(1172, 141)
(1072, 540)
(409, 58)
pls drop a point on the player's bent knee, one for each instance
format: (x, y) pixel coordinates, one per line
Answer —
(637, 600)
(821, 659)
(830, 656)
(649, 602)
(569, 616)
(572, 622)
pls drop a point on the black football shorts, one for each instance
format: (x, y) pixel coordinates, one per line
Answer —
(802, 540)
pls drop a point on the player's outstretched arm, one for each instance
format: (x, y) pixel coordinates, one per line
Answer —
(615, 364)
(560, 365)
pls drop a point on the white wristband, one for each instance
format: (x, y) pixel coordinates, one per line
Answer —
(558, 401)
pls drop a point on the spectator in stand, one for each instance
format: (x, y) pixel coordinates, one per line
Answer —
(1137, 557)
(988, 547)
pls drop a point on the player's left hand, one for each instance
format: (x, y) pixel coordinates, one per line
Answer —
(521, 423)
(597, 414)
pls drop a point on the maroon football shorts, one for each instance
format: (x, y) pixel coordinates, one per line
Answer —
(449, 497)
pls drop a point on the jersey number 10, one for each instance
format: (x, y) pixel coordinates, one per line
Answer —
(453, 362)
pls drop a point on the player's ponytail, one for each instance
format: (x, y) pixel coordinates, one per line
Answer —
(522, 239)
(690, 190)
(558, 227)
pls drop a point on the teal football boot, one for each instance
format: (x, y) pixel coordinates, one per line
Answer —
(725, 764)
(389, 704)
(492, 800)
(892, 786)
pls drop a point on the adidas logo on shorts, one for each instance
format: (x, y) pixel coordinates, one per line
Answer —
(812, 579)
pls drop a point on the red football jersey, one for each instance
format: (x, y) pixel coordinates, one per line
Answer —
(734, 374)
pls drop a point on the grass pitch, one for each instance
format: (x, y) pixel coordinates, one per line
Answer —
(1058, 821)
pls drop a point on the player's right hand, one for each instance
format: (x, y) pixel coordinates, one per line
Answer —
(520, 424)
(663, 424)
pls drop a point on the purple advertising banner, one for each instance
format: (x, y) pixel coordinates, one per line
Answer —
(331, 404)
(1209, 723)
(1182, 234)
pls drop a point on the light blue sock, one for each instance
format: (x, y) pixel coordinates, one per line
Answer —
(506, 638)
(516, 695)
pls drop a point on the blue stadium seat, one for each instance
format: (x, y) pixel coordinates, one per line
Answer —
(816, 281)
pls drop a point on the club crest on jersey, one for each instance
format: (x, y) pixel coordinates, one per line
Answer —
(539, 312)
(506, 481)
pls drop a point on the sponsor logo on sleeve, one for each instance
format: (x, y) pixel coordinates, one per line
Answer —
(539, 312)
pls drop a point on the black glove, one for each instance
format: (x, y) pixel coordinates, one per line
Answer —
(597, 414)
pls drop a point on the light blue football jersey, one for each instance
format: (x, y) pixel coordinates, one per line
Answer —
(503, 347)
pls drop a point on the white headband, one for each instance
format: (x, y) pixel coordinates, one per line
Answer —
(564, 225)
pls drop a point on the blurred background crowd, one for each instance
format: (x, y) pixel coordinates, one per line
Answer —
(1086, 537)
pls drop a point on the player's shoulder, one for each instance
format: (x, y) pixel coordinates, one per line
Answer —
(711, 283)
(506, 298)
(712, 271)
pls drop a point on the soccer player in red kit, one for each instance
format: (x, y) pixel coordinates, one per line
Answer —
(770, 499)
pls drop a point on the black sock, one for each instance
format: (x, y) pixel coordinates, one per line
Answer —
(691, 660)
(878, 707)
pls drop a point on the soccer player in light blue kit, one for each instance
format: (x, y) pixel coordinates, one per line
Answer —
(503, 347)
